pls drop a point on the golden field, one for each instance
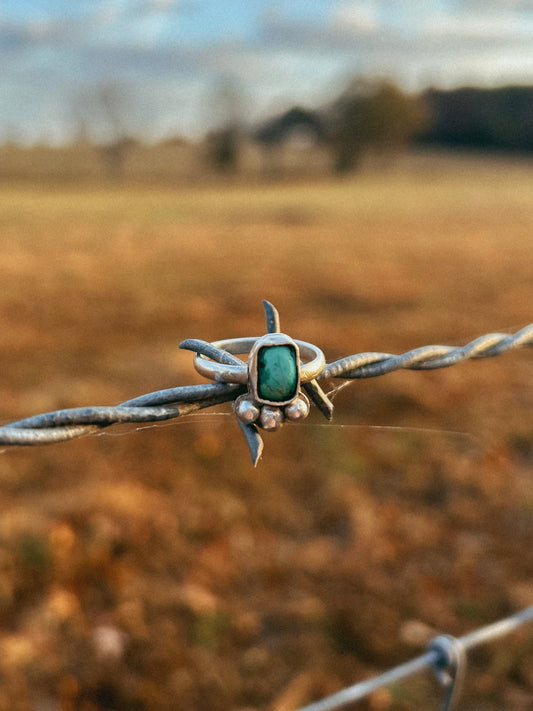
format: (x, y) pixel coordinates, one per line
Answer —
(153, 568)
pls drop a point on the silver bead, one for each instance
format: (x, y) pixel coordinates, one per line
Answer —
(298, 409)
(245, 410)
(271, 418)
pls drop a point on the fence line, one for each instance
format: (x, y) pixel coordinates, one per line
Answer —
(63, 425)
(445, 655)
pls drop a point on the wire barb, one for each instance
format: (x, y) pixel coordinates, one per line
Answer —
(272, 318)
(450, 667)
(209, 351)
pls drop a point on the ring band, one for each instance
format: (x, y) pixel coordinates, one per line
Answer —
(239, 374)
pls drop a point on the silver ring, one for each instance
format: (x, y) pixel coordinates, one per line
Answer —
(238, 346)
(279, 374)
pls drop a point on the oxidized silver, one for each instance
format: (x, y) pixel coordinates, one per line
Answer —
(253, 408)
(223, 373)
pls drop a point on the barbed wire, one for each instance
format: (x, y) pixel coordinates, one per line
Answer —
(445, 655)
(171, 403)
(370, 365)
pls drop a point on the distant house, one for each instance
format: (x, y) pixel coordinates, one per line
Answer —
(299, 126)
(291, 140)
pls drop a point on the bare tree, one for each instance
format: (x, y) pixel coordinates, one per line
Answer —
(225, 138)
(106, 116)
(115, 106)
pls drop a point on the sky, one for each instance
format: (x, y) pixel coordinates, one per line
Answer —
(160, 68)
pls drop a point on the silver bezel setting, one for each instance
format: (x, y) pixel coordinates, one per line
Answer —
(268, 341)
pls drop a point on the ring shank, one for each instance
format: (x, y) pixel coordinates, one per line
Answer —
(236, 374)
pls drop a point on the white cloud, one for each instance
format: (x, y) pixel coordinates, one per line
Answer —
(360, 15)
(488, 5)
(161, 5)
(482, 26)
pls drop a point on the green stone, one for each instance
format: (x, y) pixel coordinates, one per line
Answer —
(277, 373)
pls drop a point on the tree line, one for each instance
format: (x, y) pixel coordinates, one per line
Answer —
(373, 117)
(470, 117)
(379, 117)
(367, 117)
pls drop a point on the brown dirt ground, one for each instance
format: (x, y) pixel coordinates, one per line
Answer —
(156, 569)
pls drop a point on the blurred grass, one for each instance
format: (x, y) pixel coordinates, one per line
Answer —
(169, 568)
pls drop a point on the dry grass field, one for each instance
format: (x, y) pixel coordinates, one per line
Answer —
(153, 569)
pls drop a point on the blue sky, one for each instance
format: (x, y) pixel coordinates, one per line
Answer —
(161, 63)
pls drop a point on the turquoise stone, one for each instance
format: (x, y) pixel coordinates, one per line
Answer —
(277, 373)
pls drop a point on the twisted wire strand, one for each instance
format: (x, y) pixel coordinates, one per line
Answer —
(371, 365)
(63, 425)
(443, 653)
